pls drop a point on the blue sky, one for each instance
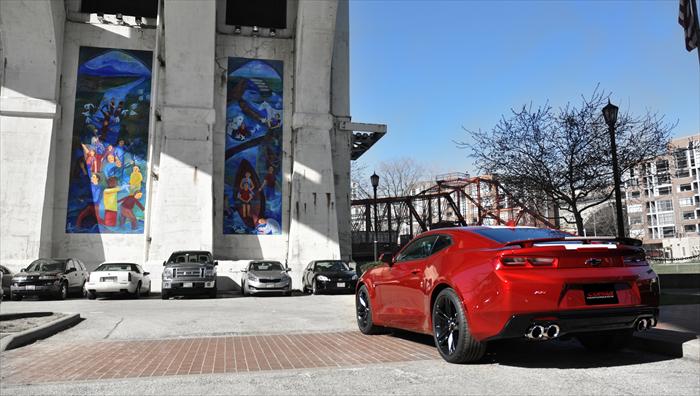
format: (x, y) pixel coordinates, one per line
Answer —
(427, 68)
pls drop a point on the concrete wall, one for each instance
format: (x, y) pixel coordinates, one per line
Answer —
(31, 35)
(186, 144)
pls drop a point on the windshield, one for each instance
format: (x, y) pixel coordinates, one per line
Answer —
(191, 257)
(117, 267)
(510, 234)
(43, 265)
(331, 266)
(266, 266)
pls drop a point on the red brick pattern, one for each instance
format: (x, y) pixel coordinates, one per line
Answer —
(58, 362)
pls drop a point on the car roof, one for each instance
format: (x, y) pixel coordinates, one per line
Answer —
(191, 252)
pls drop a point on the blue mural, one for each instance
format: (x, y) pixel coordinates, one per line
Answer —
(107, 189)
(253, 167)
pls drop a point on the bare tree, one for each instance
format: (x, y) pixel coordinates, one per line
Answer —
(565, 153)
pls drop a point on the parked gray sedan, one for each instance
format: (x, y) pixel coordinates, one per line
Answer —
(6, 280)
(265, 277)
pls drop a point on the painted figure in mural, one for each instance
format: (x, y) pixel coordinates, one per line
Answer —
(120, 150)
(91, 213)
(242, 132)
(127, 209)
(246, 193)
(274, 122)
(267, 227)
(110, 202)
(268, 184)
(135, 179)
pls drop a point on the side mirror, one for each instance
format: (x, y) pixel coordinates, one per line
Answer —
(23, 270)
(244, 270)
(165, 263)
(146, 273)
(387, 258)
(288, 269)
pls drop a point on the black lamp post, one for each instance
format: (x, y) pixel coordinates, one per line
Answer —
(375, 183)
(610, 115)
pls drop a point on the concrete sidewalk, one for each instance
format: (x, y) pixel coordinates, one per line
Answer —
(677, 333)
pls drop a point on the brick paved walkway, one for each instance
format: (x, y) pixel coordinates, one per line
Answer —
(79, 361)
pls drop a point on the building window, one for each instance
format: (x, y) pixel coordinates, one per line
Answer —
(666, 218)
(669, 232)
(689, 215)
(634, 208)
(664, 190)
(662, 206)
(261, 13)
(685, 187)
(685, 201)
(142, 8)
(689, 228)
(663, 178)
(634, 194)
(635, 218)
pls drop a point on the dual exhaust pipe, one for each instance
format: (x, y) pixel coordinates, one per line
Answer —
(644, 324)
(540, 332)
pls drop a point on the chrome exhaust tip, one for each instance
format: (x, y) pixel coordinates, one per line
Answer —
(642, 325)
(535, 332)
(552, 331)
(651, 323)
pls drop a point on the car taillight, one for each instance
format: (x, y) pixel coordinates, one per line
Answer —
(637, 259)
(510, 261)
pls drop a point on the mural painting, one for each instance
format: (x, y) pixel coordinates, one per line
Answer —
(253, 158)
(107, 183)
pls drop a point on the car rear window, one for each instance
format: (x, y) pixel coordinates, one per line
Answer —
(511, 234)
(117, 267)
(190, 258)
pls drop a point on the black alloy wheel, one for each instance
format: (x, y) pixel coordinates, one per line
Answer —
(364, 312)
(164, 295)
(63, 292)
(137, 292)
(451, 331)
(91, 295)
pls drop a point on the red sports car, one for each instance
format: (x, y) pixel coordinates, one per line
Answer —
(468, 286)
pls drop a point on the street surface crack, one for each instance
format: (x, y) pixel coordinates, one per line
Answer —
(113, 328)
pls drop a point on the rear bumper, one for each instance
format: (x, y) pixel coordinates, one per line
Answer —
(332, 286)
(35, 290)
(578, 321)
(182, 287)
(110, 287)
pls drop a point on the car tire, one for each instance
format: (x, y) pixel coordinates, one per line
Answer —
(604, 341)
(288, 293)
(363, 312)
(212, 293)
(164, 295)
(314, 288)
(83, 291)
(63, 292)
(148, 292)
(15, 297)
(137, 291)
(244, 292)
(451, 332)
(91, 295)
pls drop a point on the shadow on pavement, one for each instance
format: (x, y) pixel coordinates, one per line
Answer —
(560, 354)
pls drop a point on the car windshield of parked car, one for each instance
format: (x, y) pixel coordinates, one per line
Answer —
(43, 265)
(511, 234)
(266, 266)
(189, 258)
(331, 266)
(117, 267)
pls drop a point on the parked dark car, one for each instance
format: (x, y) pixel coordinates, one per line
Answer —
(50, 277)
(6, 281)
(189, 272)
(328, 276)
(261, 277)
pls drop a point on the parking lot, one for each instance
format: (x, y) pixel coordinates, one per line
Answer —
(299, 344)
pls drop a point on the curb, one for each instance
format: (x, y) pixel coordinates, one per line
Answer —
(667, 345)
(38, 333)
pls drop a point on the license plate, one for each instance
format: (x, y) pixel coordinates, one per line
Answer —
(341, 284)
(108, 279)
(187, 284)
(31, 287)
(269, 285)
(600, 294)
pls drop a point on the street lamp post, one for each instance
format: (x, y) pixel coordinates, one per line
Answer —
(375, 183)
(610, 115)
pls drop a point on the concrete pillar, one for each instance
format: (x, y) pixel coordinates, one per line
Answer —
(313, 231)
(182, 212)
(32, 44)
(342, 139)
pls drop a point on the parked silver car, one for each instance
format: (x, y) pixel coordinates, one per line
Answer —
(6, 281)
(266, 277)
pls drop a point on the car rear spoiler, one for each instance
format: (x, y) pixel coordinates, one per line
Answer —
(582, 239)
